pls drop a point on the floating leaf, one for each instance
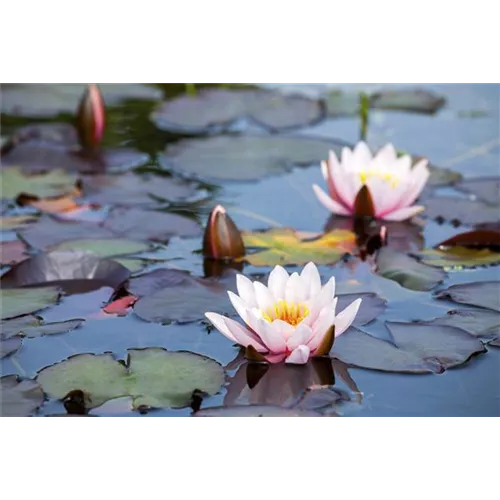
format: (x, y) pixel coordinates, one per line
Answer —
(20, 398)
(13, 327)
(413, 100)
(371, 306)
(470, 212)
(244, 158)
(132, 189)
(478, 237)
(218, 109)
(407, 271)
(19, 302)
(340, 103)
(485, 189)
(285, 246)
(72, 270)
(16, 221)
(416, 348)
(481, 294)
(46, 100)
(9, 346)
(133, 265)
(12, 252)
(54, 183)
(149, 225)
(31, 327)
(153, 377)
(458, 257)
(441, 176)
(254, 411)
(184, 302)
(156, 280)
(103, 247)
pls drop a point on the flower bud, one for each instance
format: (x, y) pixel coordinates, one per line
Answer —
(222, 239)
(90, 118)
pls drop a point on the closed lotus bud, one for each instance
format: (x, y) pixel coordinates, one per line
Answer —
(222, 239)
(90, 118)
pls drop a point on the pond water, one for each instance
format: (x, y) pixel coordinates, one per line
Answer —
(462, 136)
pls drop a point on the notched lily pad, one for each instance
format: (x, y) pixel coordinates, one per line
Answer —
(19, 302)
(483, 294)
(20, 398)
(286, 246)
(153, 377)
(416, 348)
(406, 271)
(71, 270)
(217, 109)
(244, 157)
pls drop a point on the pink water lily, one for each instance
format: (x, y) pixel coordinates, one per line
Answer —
(291, 319)
(382, 186)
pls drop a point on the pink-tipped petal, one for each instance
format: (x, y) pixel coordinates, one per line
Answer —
(246, 290)
(404, 213)
(275, 358)
(299, 356)
(419, 175)
(234, 331)
(269, 335)
(286, 329)
(300, 336)
(344, 319)
(328, 202)
(277, 282)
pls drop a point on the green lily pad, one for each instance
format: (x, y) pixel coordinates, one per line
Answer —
(481, 294)
(103, 247)
(31, 327)
(20, 398)
(133, 265)
(54, 183)
(219, 108)
(244, 158)
(406, 271)
(19, 302)
(459, 257)
(153, 377)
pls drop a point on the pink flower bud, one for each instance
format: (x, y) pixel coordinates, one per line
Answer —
(90, 118)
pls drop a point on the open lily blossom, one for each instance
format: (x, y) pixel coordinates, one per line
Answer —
(291, 319)
(382, 186)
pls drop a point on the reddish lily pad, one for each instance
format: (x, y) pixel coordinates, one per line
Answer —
(20, 398)
(218, 109)
(476, 238)
(483, 294)
(416, 348)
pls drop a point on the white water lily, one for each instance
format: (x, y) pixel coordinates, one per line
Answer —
(392, 184)
(291, 319)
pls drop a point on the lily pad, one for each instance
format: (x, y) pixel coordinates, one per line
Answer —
(16, 221)
(441, 176)
(413, 100)
(371, 306)
(149, 225)
(72, 270)
(31, 327)
(244, 158)
(47, 100)
(153, 377)
(132, 189)
(156, 280)
(103, 247)
(184, 302)
(476, 238)
(285, 246)
(470, 212)
(217, 109)
(484, 189)
(9, 346)
(20, 302)
(406, 271)
(54, 183)
(255, 411)
(20, 398)
(416, 348)
(12, 252)
(459, 257)
(483, 294)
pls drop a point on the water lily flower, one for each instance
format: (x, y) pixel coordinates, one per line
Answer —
(291, 319)
(382, 186)
(222, 239)
(90, 117)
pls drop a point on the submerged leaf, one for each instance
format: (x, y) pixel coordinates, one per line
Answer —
(20, 398)
(481, 294)
(219, 108)
(407, 271)
(153, 377)
(416, 348)
(285, 246)
(25, 301)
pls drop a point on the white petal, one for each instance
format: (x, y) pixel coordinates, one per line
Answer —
(344, 319)
(404, 213)
(310, 276)
(362, 155)
(270, 335)
(386, 155)
(299, 356)
(265, 298)
(286, 329)
(300, 336)
(323, 323)
(246, 290)
(235, 332)
(419, 175)
(328, 202)
(277, 282)
(239, 305)
(293, 289)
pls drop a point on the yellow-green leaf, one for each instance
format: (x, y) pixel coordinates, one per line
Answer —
(457, 257)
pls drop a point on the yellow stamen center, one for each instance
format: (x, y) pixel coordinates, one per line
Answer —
(391, 178)
(290, 312)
